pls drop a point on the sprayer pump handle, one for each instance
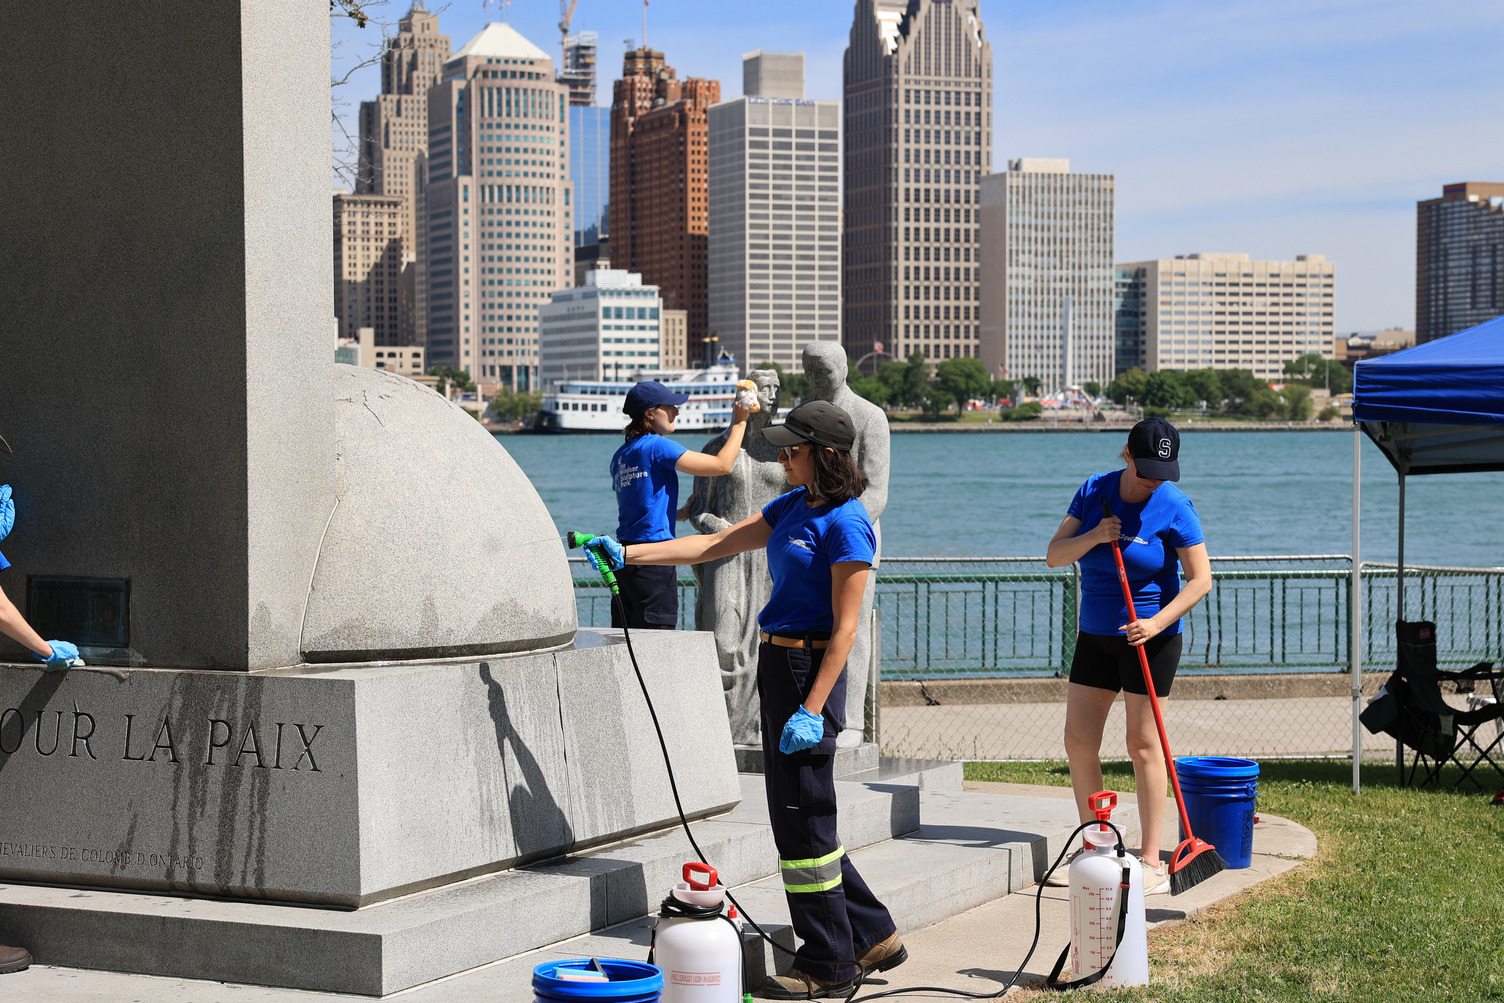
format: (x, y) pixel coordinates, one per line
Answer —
(1102, 803)
(695, 867)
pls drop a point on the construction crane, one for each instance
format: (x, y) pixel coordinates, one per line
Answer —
(566, 14)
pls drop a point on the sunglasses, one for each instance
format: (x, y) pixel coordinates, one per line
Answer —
(792, 451)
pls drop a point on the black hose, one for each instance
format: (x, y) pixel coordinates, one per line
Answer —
(861, 969)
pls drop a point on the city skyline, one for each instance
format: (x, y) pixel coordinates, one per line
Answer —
(1342, 181)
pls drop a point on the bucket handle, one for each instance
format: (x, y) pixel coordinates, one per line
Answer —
(695, 867)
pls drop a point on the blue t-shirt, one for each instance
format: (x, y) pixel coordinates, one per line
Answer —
(804, 543)
(3, 563)
(647, 488)
(1152, 530)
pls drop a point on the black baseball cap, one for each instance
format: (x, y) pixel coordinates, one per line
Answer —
(1155, 447)
(650, 394)
(817, 421)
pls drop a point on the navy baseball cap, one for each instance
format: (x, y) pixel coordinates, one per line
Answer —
(1155, 447)
(817, 421)
(650, 394)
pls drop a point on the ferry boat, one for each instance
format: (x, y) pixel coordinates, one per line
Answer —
(595, 406)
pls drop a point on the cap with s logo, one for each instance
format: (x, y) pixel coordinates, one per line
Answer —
(1155, 447)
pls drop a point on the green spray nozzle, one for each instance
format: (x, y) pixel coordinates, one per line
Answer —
(600, 560)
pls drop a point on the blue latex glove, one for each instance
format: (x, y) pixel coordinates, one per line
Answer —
(63, 653)
(803, 731)
(615, 556)
(7, 511)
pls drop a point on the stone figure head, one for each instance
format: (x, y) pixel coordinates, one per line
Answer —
(767, 389)
(825, 368)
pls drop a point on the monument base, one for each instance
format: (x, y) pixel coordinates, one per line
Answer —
(346, 786)
(857, 759)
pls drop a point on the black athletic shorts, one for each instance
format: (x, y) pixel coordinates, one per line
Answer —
(1108, 662)
(650, 593)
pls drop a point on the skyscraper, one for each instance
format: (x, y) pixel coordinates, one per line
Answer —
(499, 226)
(1047, 294)
(1459, 259)
(578, 71)
(1223, 311)
(394, 146)
(659, 218)
(918, 123)
(589, 156)
(368, 239)
(775, 216)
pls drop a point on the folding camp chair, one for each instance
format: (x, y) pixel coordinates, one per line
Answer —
(1414, 710)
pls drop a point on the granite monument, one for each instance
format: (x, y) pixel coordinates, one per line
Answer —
(349, 663)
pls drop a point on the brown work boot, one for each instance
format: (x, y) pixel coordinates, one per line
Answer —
(14, 959)
(797, 985)
(886, 954)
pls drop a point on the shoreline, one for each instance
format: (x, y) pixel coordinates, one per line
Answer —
(1032, 428)
(1043, 427)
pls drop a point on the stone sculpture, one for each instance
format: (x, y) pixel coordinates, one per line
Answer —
(825, 368)
(733, 590)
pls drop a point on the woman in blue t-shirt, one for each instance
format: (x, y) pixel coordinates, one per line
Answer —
(820, 545)
(645, 475)
(1159, 533)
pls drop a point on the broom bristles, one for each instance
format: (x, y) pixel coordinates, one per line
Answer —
(1199, 862)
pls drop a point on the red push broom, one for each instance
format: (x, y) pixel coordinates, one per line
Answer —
(1194, 860)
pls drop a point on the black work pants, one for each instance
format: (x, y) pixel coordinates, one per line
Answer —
(650, 595)
(835, 914)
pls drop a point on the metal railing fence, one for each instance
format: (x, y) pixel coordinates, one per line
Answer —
(975, 651)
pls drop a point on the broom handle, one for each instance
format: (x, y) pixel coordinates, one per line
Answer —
(1159, 718)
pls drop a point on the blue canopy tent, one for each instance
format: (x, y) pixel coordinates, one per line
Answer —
(1437, 408)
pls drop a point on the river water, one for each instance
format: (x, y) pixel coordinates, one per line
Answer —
(1003, 494)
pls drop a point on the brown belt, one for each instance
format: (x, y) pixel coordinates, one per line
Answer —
(792, 642)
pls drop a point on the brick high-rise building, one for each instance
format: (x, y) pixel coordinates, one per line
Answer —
(368, 232)
(394, 146)
(499, 225)
(918, 132)
(659, 191)
(1459, 259)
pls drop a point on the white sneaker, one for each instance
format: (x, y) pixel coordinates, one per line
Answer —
(1156, 880)
(1060, 876)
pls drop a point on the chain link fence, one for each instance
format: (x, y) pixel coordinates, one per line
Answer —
(975, 652)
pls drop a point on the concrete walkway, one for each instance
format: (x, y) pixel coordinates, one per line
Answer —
(1295, 727)
(971, 950)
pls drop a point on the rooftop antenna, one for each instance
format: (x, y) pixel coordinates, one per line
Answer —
(644, 24)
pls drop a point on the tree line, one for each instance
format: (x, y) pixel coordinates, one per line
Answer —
(1232, 391)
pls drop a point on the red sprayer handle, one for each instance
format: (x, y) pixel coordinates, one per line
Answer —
(695, 867)
(1143, 661)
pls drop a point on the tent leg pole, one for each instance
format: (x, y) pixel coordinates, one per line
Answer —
(1355, 612)
(1399, 603)
(1400, 575)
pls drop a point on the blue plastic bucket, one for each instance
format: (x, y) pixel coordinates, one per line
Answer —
(1219, 795)
(631, 982)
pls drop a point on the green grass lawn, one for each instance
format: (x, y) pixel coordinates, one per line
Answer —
(1404, 901)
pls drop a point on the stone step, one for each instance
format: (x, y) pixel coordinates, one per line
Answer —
(926, 774)
(972, 848)
(407, 941)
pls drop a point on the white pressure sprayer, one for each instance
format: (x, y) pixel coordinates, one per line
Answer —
(696, 943)
(1109, 939)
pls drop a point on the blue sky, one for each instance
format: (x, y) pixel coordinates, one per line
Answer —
(1275, 127)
